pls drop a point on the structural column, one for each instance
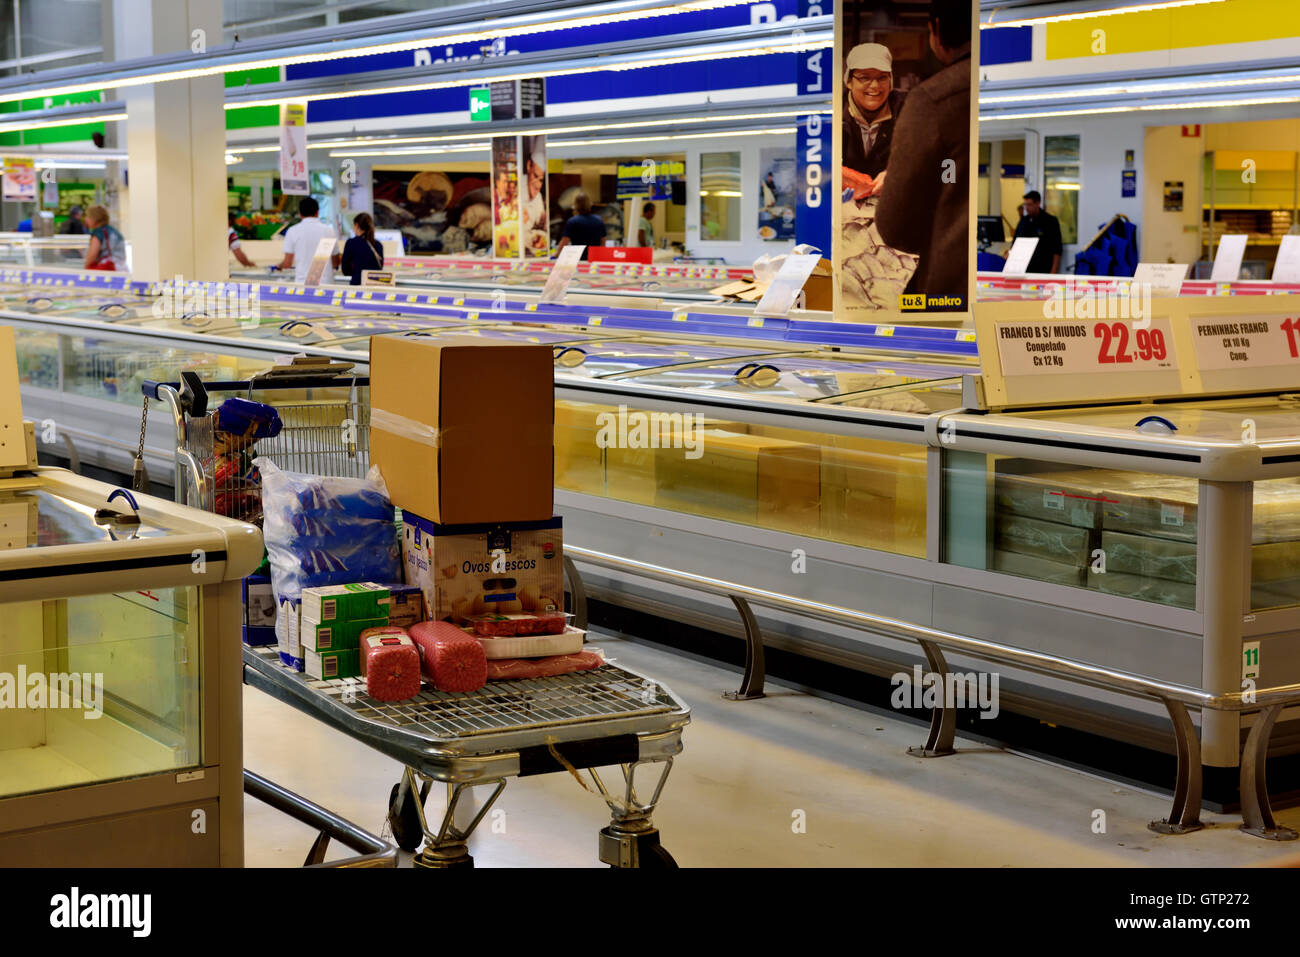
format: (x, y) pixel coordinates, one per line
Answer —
(176, 143)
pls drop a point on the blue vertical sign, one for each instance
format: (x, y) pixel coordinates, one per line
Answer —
(816, 74)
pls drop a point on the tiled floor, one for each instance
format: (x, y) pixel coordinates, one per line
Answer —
(751, 772)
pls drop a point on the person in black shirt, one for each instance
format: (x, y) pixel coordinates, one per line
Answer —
(584, 228)
(361, 252)
(1036, 221)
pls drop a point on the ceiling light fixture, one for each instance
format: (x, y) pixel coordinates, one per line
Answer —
(1147, 108)
(66, 121)
(1154, 6)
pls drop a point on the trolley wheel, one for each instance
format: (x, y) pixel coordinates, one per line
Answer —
(658, 859)
(405, 821)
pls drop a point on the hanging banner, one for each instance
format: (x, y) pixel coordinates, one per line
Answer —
(505, 197)
(535, 234)
(813, 142)
(293, 149)
(905, 141)
(532, 98)
(648, 178)
(19, 179)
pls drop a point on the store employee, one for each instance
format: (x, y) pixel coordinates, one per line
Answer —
(1036, 221)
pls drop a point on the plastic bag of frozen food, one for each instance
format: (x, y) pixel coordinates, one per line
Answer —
(327, 531)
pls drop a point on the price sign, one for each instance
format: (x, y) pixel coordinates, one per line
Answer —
(1239, 342)
(1022, 250)
(562, 273)
(1064, 347)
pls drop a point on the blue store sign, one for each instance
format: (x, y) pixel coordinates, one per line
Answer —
(813, 142)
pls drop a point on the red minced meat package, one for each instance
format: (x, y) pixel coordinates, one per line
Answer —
(503, 669)
(505, 626)
(452, 659)
(379, 631)
(391, 665)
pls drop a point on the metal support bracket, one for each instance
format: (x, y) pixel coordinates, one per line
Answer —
(578, 592)
(1185, 816)
(1256, 811)
(943, 719)
(751, 685)
(449, 847)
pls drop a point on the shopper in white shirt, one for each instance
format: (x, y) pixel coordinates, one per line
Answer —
(301, 240)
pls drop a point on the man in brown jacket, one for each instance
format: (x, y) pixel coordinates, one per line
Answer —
(924, 205)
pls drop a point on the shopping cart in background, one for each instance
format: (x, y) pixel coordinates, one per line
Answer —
(568, 724)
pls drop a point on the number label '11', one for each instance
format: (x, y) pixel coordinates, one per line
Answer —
(1114, 343)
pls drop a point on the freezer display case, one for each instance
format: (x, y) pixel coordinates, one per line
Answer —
(120, 725)
(849, 467)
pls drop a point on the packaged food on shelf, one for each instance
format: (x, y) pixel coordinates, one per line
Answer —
(1162, 590)
(390, 664)
(568, 641)
(259, 611)
(287, 626)
(1068, 498)
(1149, 556)
(450, 657)
(507, 669)
(462, 429)
(350, 602)
(338, 663)
(1151, 505)
(1025, 566)
(468, 570)
(337, 634)
(873, 494)
(539, 623)
(405, 604)
(1050, 541)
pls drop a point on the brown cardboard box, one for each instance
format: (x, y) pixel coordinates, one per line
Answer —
(754, 480)
(462, 429)
(465, 570)
(579, 459)
(873, 494)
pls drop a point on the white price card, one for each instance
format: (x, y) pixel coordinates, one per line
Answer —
(1165, 279)
(562, 273)
(783, 291)
(1022, 250)
(1240, 342)
(1227, 261)
(1071, 348)
(324, 253)
(1287, 266)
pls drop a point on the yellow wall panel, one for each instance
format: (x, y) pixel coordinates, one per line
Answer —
(1210, 24)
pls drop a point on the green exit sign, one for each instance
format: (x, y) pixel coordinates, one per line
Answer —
(480, 104)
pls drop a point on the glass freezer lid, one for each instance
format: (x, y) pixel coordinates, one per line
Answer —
(1276, 420)
(269, 316)
(38, 518)
(802, 377)
(646, 354)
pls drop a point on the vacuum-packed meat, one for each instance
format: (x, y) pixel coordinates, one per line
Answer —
(391, 665)
(503, 669)
(452, 659)
(508, 626)
(378, 631)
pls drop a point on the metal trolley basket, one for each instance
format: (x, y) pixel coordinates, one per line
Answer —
(569, 723)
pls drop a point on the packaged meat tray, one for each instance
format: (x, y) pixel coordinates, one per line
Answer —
(534, 646)
(380, 631)
(452, 659)
(539, 623)
(510, 669)
(391, 665)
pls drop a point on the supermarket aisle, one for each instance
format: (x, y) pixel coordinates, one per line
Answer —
(748, 770)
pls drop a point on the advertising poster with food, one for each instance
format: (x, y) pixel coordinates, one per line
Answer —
(20, 179)
(505, 197)
(777, 194)
(293, 149)
(536, 207)
(436, 211)
(904, 135)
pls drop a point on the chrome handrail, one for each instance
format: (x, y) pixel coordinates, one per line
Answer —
(1256, 812)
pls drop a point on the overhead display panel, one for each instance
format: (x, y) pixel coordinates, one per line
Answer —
(905, 140)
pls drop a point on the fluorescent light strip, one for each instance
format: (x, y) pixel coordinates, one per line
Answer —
(1168, 87)
(66, 121)
(656, 138)
(1118, 11)
(689, 6)
(56, 164)
(794, 43)
(1148, 108)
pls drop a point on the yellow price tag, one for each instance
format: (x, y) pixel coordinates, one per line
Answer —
(966, 335)
(756, 322)
(321, 292)
(531, 307)
(597, 321)
(679, 317)
(390, 297)
(472, 315)
(884, 330)
(458, 302)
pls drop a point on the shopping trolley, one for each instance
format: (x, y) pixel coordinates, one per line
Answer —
(567, 724)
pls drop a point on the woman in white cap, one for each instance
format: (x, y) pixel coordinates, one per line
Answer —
(871, 105)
